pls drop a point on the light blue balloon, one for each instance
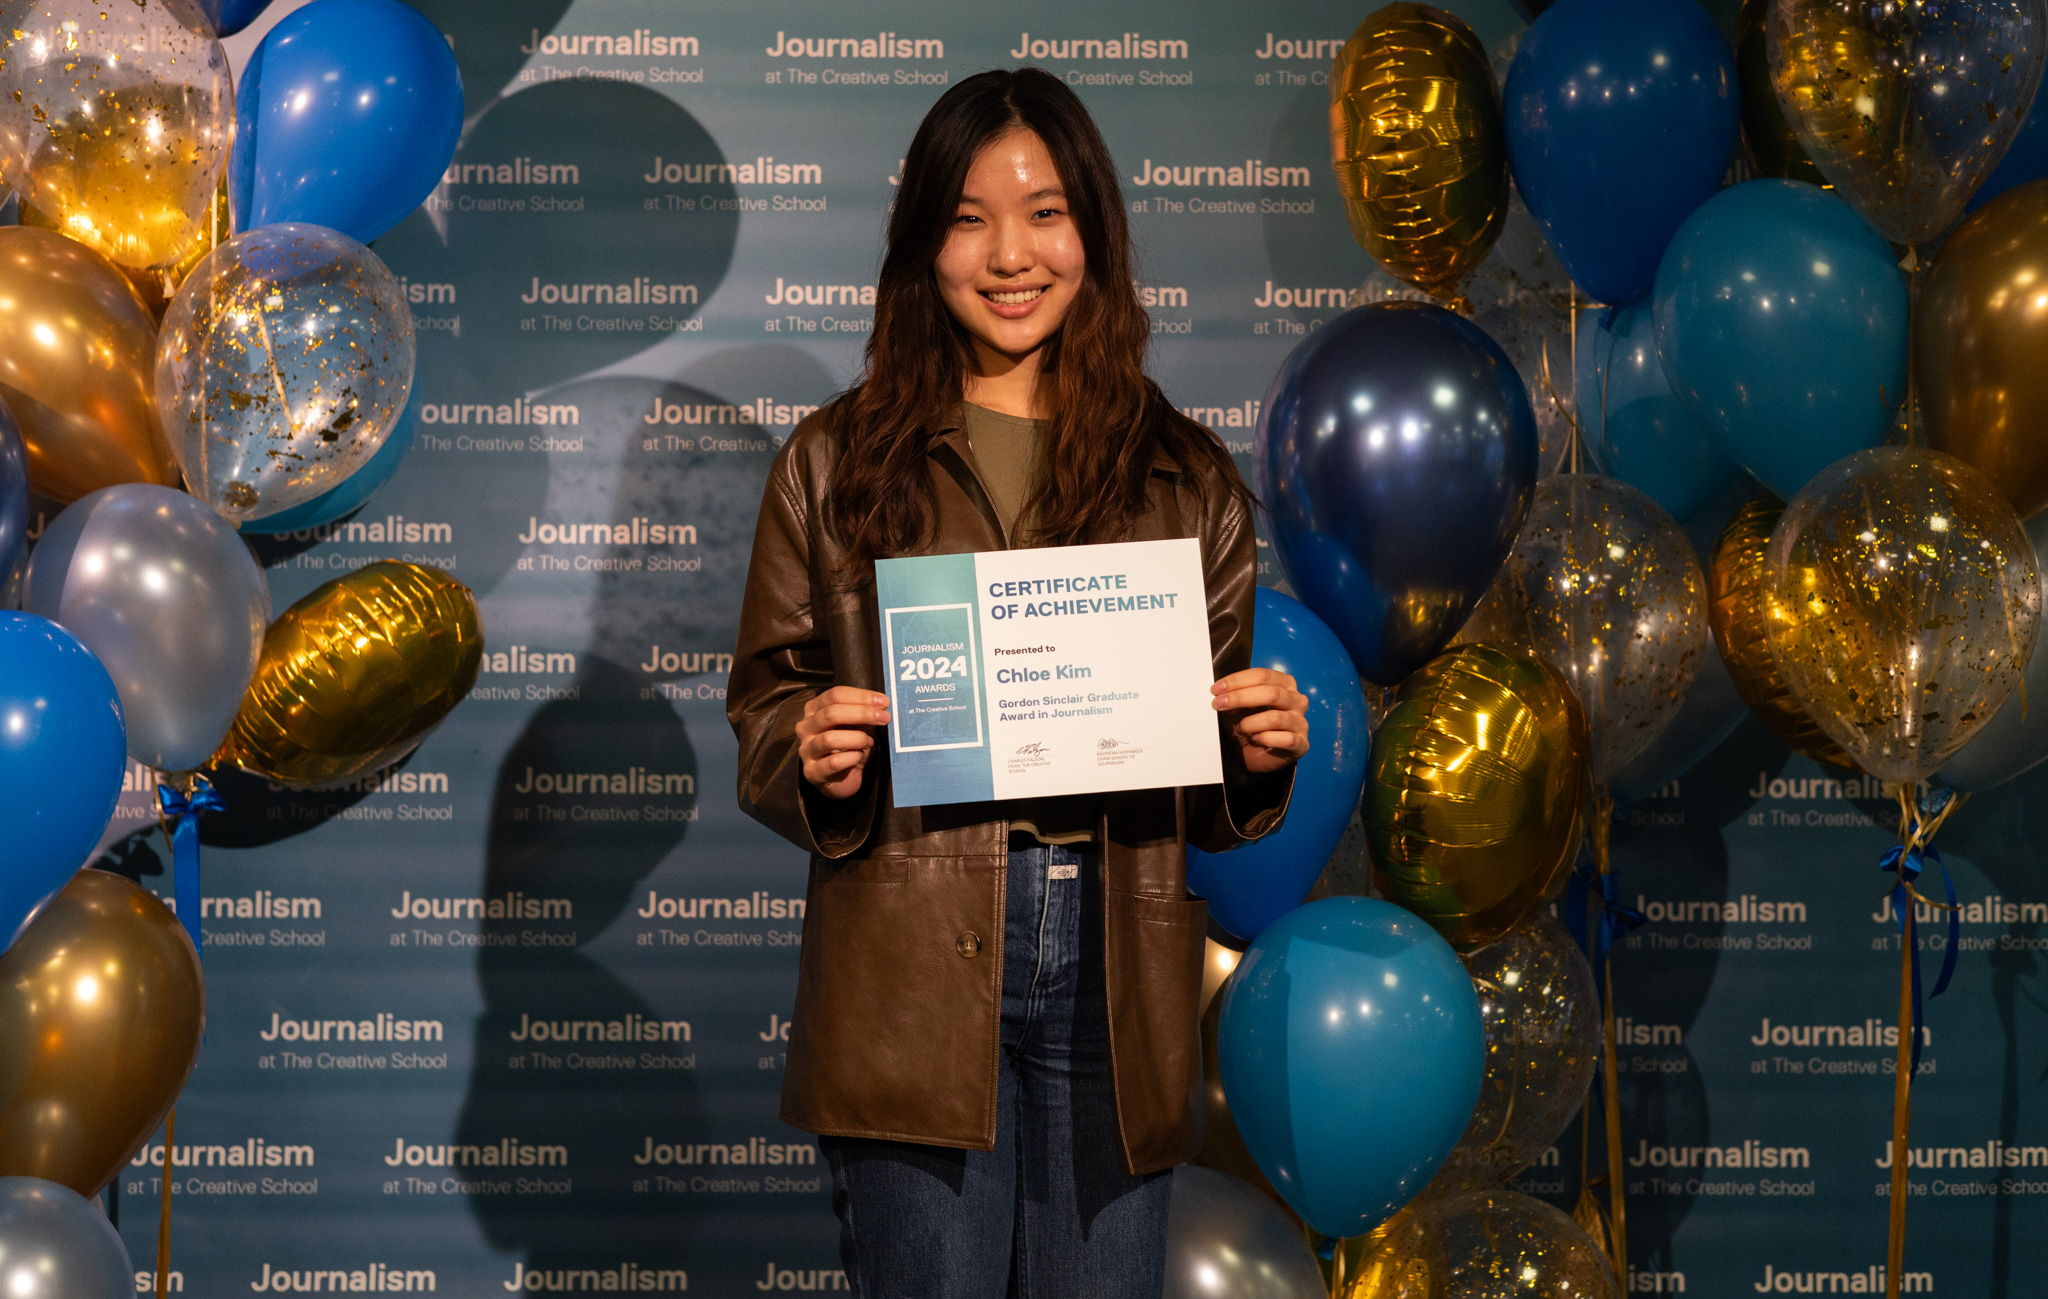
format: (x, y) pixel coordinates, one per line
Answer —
(2015, 740)
(1351, 1051)
(1781, 318)
(352, 492)
(56, 1244)
(1634, 425)
(1249, 888)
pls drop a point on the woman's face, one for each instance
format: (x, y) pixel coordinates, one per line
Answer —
(1013, 260)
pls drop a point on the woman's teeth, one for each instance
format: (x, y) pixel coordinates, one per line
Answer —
(1015, 299)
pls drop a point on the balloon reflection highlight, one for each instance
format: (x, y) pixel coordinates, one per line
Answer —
(56, 1244)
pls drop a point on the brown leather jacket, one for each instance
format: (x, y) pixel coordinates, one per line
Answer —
(899, 993)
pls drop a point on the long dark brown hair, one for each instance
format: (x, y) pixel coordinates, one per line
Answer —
(1106, 415)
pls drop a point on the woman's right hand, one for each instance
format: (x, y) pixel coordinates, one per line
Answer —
(832, 739)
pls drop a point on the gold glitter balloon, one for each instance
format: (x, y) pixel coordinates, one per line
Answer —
(1416, 139)
(1901, 599)
(1484, 1245)
(76, 347)
(115, 120)
(1475, 791)
(1767, 139)
(102, 1008)
(1737, 613)
(1603, 584)
(1905, 107)
(356, 674)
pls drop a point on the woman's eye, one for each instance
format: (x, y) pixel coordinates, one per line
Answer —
(1045, 212)
(966, 216)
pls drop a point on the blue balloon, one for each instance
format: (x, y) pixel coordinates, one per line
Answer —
(1249, 888)
(1621, 118)
(62, 752)
(346, 117)
(347, 496)
(1397, 453)
(1351, 1051)
(231, 16)
(2026, 158)
(1782, 319)
(13, 493)
(1634, 425)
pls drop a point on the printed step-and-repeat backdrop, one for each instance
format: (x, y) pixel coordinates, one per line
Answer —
(512, 1016)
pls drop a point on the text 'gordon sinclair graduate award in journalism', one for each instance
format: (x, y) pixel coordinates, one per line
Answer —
(1067, 670)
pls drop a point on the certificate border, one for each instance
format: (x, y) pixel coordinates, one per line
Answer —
(980, 740)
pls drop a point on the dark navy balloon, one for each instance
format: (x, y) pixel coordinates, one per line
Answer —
(1251, 887)
(1621, 117)
(13, 494)
(1397, 453)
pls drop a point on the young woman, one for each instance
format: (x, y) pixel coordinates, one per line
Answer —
(995, 1030)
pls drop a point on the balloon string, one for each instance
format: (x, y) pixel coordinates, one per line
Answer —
(163, 1220)
(1572, 322)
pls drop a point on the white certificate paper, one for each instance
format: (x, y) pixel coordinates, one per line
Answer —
(1066, 670)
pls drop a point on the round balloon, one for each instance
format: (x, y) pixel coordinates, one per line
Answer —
(1225, 1240)
(1979, 335)
(1396, 450)
(1250, 887)
(1767, 139)
(77, 351)
(1485, 1245)
(56, 1244)
(1621, 116)
(115, 119)
(1478, 779)
(283, 365)
(1415, 137)
(13, 493)
(1906, 108)
(1712, 711)
(1901, 602)
(1781, 319)
(1223, 1147)
(353, 492)
(346, 117)
(231, 16)
(2015, 740)
(1634, 425)
(62, 753)
(103, 1009)
(2025, 159)
(1340, 999)
(161, 589)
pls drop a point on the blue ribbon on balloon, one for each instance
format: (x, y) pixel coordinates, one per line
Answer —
(182, 812)
(1616, 918)
(1907, 864)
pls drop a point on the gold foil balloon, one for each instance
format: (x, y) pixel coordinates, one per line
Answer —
(1980, 338)
(1906, 106)
(1604, 585)
(1475, 790)
(284, 363)
(1902, 601)
(1737, 613)
(102, 1009)
(1416, 139)
(356, 674)
(1767, 139)
(1541, 1011)
(1484, 1245)
(115, 120)
(76, 351)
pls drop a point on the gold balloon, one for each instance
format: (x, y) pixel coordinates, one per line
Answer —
(1475, 790)
(115, 121)
(1901, 601)
(1906, 108)
(1484, 1245)
(1980, 336)
(1767, 139)
(356, 674)
(102, 1007)
(157, 286)
(1737, 612)
(1416, 139)
(77, 368)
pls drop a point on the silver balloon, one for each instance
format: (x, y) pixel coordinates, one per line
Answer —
(1225, 1240)
(164, 592)
(55, 1244)
(2015, 740)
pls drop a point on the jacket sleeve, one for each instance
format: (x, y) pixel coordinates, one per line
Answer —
(782, 661)
(1244, 807)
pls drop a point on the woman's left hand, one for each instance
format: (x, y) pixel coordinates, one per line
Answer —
(1268, 717)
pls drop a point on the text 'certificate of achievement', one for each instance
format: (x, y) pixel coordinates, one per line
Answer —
(1065, 670)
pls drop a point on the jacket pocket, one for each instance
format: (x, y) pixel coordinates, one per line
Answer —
(1154, 966)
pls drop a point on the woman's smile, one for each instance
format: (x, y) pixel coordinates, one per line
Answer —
(1014, 304)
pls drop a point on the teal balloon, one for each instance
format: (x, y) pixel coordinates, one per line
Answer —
(1636, 428)
(1782, 321)
(352, 492)
(2015, 740)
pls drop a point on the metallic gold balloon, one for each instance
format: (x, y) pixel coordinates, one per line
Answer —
(77, 356)
(1767, 139)
(1906, 107)
(1980, 336)
(1737, 613)
(1901, 601)
(1485, 1245)
(1475, 790)
(1416, 140)
(356, 674)
(102, 1008)
(156, 286)
(115, 120)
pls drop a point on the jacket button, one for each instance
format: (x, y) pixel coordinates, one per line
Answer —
(968, 944)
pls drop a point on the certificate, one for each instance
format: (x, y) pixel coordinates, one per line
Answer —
(1064, 670)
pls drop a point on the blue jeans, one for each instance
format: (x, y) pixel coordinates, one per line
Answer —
(1047, 1214)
